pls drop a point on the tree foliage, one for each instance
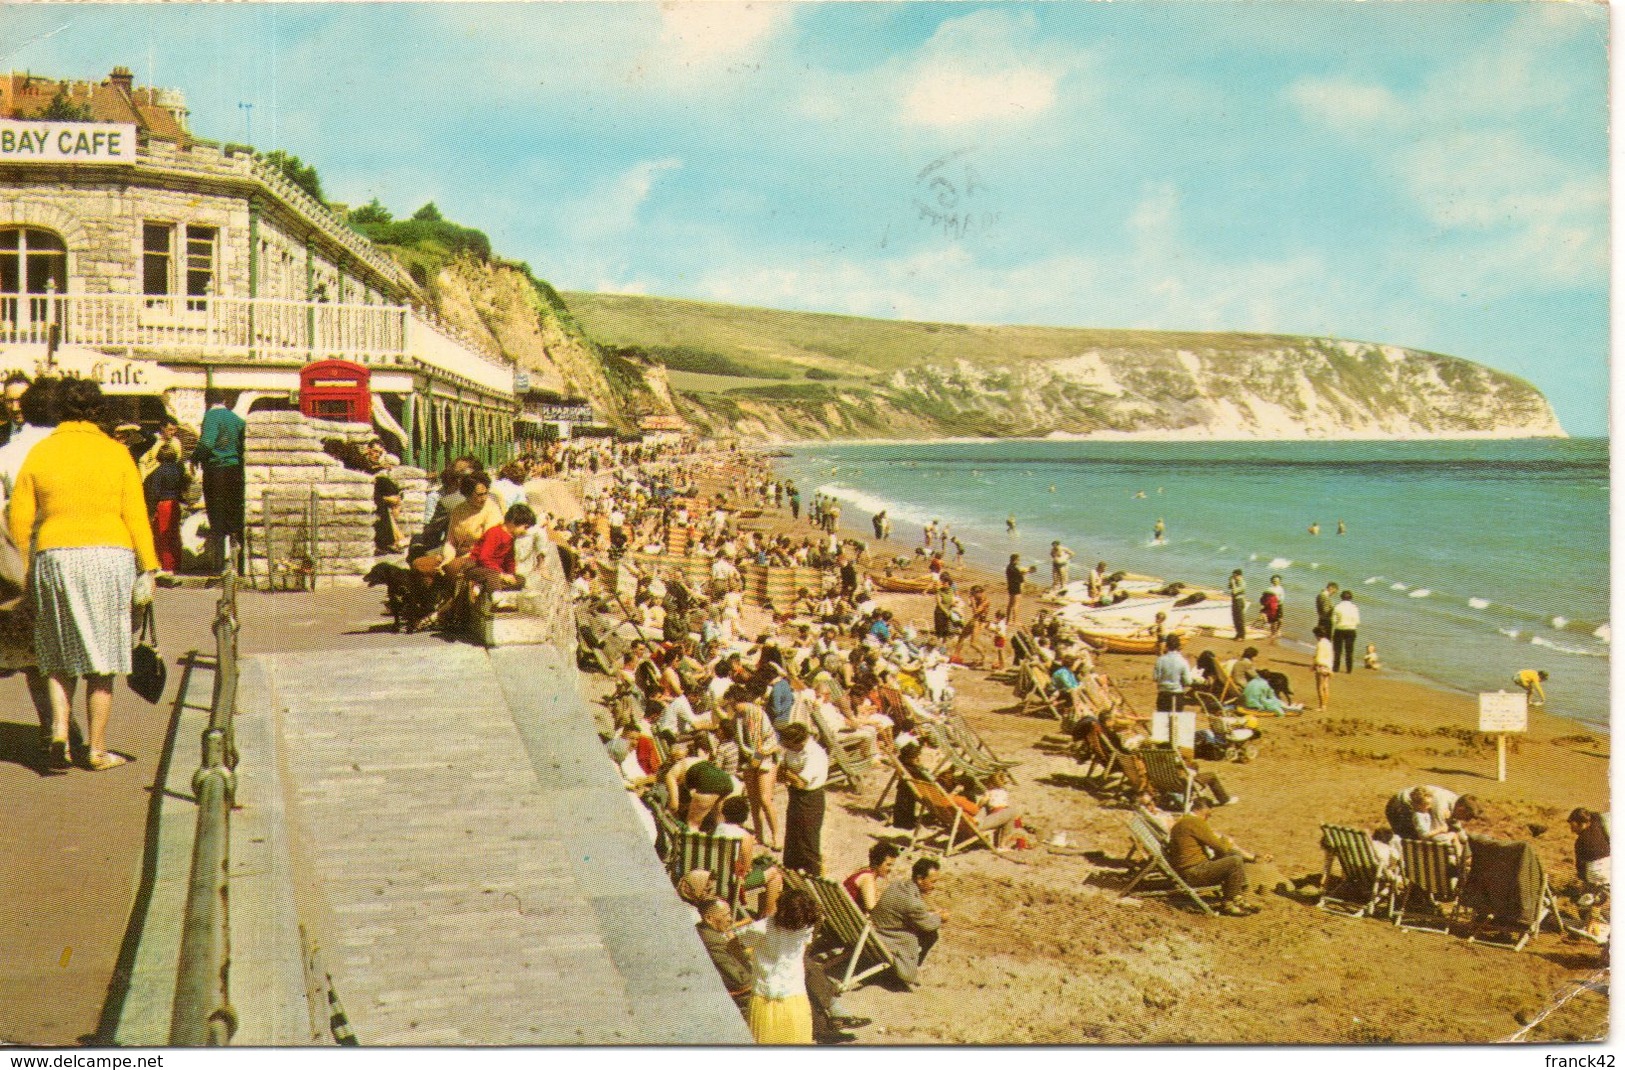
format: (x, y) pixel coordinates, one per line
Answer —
(371, 212)
(63, 110)
(428, 214)
(298, 172)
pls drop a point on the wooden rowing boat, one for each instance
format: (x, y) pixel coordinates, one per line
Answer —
(902, 584)
(1121, 643)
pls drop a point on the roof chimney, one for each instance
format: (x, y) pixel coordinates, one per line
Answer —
(122, 78)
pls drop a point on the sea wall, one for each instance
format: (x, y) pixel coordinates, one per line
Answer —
(305, 511)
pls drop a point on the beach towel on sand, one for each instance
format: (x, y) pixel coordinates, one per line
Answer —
(1504, 881)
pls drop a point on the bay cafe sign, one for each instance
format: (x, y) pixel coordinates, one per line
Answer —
(23, 141)
(117, 375)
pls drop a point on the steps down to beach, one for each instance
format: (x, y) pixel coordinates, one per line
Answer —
(466, 866)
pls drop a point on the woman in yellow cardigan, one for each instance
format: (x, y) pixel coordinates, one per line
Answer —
(80, 520)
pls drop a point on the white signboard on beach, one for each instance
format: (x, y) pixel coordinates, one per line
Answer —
(1184, 729)
(1503, 711)
(23, 141)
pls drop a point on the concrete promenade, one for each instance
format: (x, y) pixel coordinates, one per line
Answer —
(439, 822)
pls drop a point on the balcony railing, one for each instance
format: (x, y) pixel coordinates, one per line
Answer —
(249, 328)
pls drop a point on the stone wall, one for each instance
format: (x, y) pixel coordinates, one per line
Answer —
(285, 457)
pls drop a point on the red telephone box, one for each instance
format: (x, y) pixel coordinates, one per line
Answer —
(336, 390)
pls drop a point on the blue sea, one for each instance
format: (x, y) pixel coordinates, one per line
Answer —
(1470, 560)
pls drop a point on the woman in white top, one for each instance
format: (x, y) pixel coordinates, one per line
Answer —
(779, 1011)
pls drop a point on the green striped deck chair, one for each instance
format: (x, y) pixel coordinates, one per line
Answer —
(951, 755)
(1158, 874)
(717, 855)
(972, 742)
(1170, 776)
(1362, 883)
(846, 931)
(1156, 830)
(1432, 876)
(666, 826)
(849, 758)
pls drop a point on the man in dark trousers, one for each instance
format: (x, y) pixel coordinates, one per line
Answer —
(219, 452)
(1015, 576)
(905, 922)
(1238, 604)
(1203, 857)
(806, 770)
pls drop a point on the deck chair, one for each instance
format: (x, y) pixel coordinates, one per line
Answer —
(1099, 758)
(951, 755)
(1432, 878)
(849, 758)
(1228, 691)
(847, 931)
(1210, 704)
(942, 813)
(717, 855)
(1156, 829)
(1036, 694)
(1158, 874)
(1363, 883)
(971, 740)
(1169, 775)
(1507, 894)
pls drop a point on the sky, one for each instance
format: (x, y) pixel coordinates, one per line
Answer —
(1431, 175)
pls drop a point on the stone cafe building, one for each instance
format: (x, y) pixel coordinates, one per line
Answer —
(162, 265)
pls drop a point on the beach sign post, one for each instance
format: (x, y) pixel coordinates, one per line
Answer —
(1500, 712)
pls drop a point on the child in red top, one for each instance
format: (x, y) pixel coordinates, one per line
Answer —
(492, 558)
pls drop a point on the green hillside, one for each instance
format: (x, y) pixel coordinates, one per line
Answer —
(769, 343)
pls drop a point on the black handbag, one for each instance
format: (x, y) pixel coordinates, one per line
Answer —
(148, 674)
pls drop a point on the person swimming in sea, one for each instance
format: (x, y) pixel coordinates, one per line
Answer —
(1342, 528)
(1157, 531)
(1010, 524)
(1314, 528)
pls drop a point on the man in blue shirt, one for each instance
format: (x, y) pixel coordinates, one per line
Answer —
(220, 450)
(1173, 675)
(781, 699)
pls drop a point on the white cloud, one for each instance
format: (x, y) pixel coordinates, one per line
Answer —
(981, 67)
(700, 32)
(1344, 103)
(611, 208)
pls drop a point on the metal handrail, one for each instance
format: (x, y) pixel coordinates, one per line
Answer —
(202, 1015)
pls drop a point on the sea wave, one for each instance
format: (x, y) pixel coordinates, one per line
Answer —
(1564, 648)
(1479, 603)
(1369, 580)
(1510, 633)
(873, 503)
(1560, 623)
(1605, 632)
(1398, 587)
(1420, 592)
(1280, 562)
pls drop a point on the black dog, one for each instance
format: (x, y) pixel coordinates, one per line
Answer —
(410, 596)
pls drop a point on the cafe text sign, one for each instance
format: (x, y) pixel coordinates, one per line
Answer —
(22, 141)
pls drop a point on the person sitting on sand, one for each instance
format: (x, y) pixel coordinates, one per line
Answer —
(1204, 857)
(905, 922)
(1591, 847)
(1259, 696)
(866, 884)
(1371, 659)
(1429, 812)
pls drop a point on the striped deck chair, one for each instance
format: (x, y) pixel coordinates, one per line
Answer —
(1432, 878)
(1495, 868)
(846, 930)
(717, 855)
(971, 740)
(1156, 829)
(951, 755)
(957, 827)
(1099, 758)
(1170, 776)
(849, 758)
(1158, 874)
(1362, 884)
(1033, 687)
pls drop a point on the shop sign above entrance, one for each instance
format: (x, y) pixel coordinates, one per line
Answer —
(22, 141)
(117, 375)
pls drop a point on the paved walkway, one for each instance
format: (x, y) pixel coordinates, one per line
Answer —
(470, 867)
(75, 843)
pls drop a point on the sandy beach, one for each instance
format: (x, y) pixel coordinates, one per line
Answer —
(1041, 948)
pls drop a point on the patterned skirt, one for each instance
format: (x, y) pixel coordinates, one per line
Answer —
(82, 610)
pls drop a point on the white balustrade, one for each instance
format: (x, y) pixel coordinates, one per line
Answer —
(251, 328)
